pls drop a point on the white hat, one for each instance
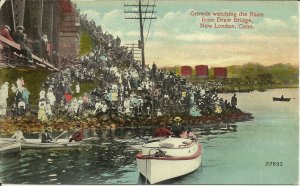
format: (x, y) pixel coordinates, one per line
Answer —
(8, 28)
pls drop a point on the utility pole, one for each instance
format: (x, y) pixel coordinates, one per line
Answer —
(13, 15)
(51, 31)
(142, 9)
(40, 27)
(135, 50)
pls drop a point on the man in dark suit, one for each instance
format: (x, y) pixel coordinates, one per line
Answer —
(18, 98)
(46, 137)
(177, 128)
(21, 38)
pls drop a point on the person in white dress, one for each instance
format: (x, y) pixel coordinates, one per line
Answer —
(77, 87)
(42, 116)
(42, 94)
(51, 97)
(18, 135)
(3, 103)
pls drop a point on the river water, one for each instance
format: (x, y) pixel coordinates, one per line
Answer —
(239, 157)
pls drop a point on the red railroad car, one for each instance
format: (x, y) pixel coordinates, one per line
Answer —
(220, 72)
(186, 70)
(201, 71)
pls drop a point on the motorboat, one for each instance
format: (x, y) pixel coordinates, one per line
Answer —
(164, 158)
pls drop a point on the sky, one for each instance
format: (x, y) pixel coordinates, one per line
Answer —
(175, 37)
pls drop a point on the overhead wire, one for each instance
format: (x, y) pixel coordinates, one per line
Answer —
(150, 23)
(146, 12)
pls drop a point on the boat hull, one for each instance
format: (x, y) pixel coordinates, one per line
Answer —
(281, 99)
(160, 170)
(7, 148)
(177, 160)
(36, 143)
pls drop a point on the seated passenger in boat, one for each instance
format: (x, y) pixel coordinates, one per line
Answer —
(188, 135)
(162, 131)
(18, 135)
(177, 128)
(46, 136)
(78, 135)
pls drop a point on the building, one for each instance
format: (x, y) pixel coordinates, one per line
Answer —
(220, 72)
(186, 71)
(201, 71)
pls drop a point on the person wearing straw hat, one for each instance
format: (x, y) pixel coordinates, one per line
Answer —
(177, 128)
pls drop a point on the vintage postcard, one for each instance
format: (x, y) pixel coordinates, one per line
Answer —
(181, 92)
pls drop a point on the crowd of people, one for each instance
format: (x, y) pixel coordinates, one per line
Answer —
(40, 47)
(232, 85)
(121, 87)
(20, 103)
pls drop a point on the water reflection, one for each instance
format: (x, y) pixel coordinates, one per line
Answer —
(105, 158)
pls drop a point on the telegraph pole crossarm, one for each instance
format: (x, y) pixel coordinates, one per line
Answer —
(142, 16)
(139, 5)
(138, 11)
(139, 18)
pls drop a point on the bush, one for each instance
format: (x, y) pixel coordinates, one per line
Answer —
(86, 44)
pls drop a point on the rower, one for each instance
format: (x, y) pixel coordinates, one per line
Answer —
(46, 136)
(19, 136)
(78, 135)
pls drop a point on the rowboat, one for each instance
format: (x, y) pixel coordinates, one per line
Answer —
(9, 147)
(37, 144)
(161, 159)
(60, 143)
(281, 99)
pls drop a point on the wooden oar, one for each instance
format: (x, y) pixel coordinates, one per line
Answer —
(60, 135)
(7, 139)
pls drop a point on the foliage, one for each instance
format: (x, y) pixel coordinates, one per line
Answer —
(33, 81)
(86, 44)
(278, 72)
(85, 86)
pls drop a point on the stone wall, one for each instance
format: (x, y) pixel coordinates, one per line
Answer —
(68, 34)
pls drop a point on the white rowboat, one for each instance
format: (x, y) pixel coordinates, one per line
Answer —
(9, 147)
(163, 159)
(37, 144)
